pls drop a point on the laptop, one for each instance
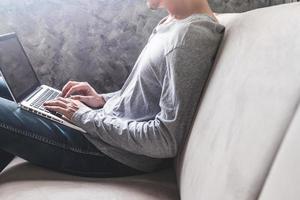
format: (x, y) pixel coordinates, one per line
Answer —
(23, 83)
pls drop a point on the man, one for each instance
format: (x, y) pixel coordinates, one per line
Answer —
(137, 129)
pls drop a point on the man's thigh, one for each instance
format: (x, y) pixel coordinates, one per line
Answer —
(49, 144)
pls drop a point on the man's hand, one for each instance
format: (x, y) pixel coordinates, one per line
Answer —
(64, 106)
(85, 93)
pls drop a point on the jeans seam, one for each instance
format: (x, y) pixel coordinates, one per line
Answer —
(46, 140)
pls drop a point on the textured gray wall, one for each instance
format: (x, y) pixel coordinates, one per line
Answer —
(93, 40)
(223, 6)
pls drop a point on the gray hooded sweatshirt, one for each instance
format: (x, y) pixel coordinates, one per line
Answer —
(146, 121)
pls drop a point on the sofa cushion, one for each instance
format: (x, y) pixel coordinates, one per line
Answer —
(249, 101)
(21, 180)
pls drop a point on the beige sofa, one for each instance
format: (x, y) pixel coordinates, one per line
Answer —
(244, 141)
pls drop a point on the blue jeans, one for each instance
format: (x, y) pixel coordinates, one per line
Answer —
(49, 144)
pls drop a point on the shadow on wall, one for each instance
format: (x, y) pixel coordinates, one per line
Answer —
(88, 40)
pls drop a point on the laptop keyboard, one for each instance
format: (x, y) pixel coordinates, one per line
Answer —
(47, 95)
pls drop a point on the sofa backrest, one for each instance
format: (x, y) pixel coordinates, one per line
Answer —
(248, 104)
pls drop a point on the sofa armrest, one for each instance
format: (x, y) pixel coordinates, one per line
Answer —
(283, 181)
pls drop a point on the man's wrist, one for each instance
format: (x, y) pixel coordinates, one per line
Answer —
(77, 115)
(101, 100)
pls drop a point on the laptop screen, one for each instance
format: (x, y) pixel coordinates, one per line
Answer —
(16, 68)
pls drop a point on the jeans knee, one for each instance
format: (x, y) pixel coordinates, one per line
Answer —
(4, 92)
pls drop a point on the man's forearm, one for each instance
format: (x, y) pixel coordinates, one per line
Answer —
(150, 138)
(107, 96)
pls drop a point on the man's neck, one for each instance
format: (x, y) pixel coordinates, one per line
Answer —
(188, 7)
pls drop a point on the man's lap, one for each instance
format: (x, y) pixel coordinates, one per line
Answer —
(31, 125)
(13, 118)
(47, 143)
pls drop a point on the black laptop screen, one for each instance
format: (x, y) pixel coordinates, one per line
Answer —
(16, 68)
